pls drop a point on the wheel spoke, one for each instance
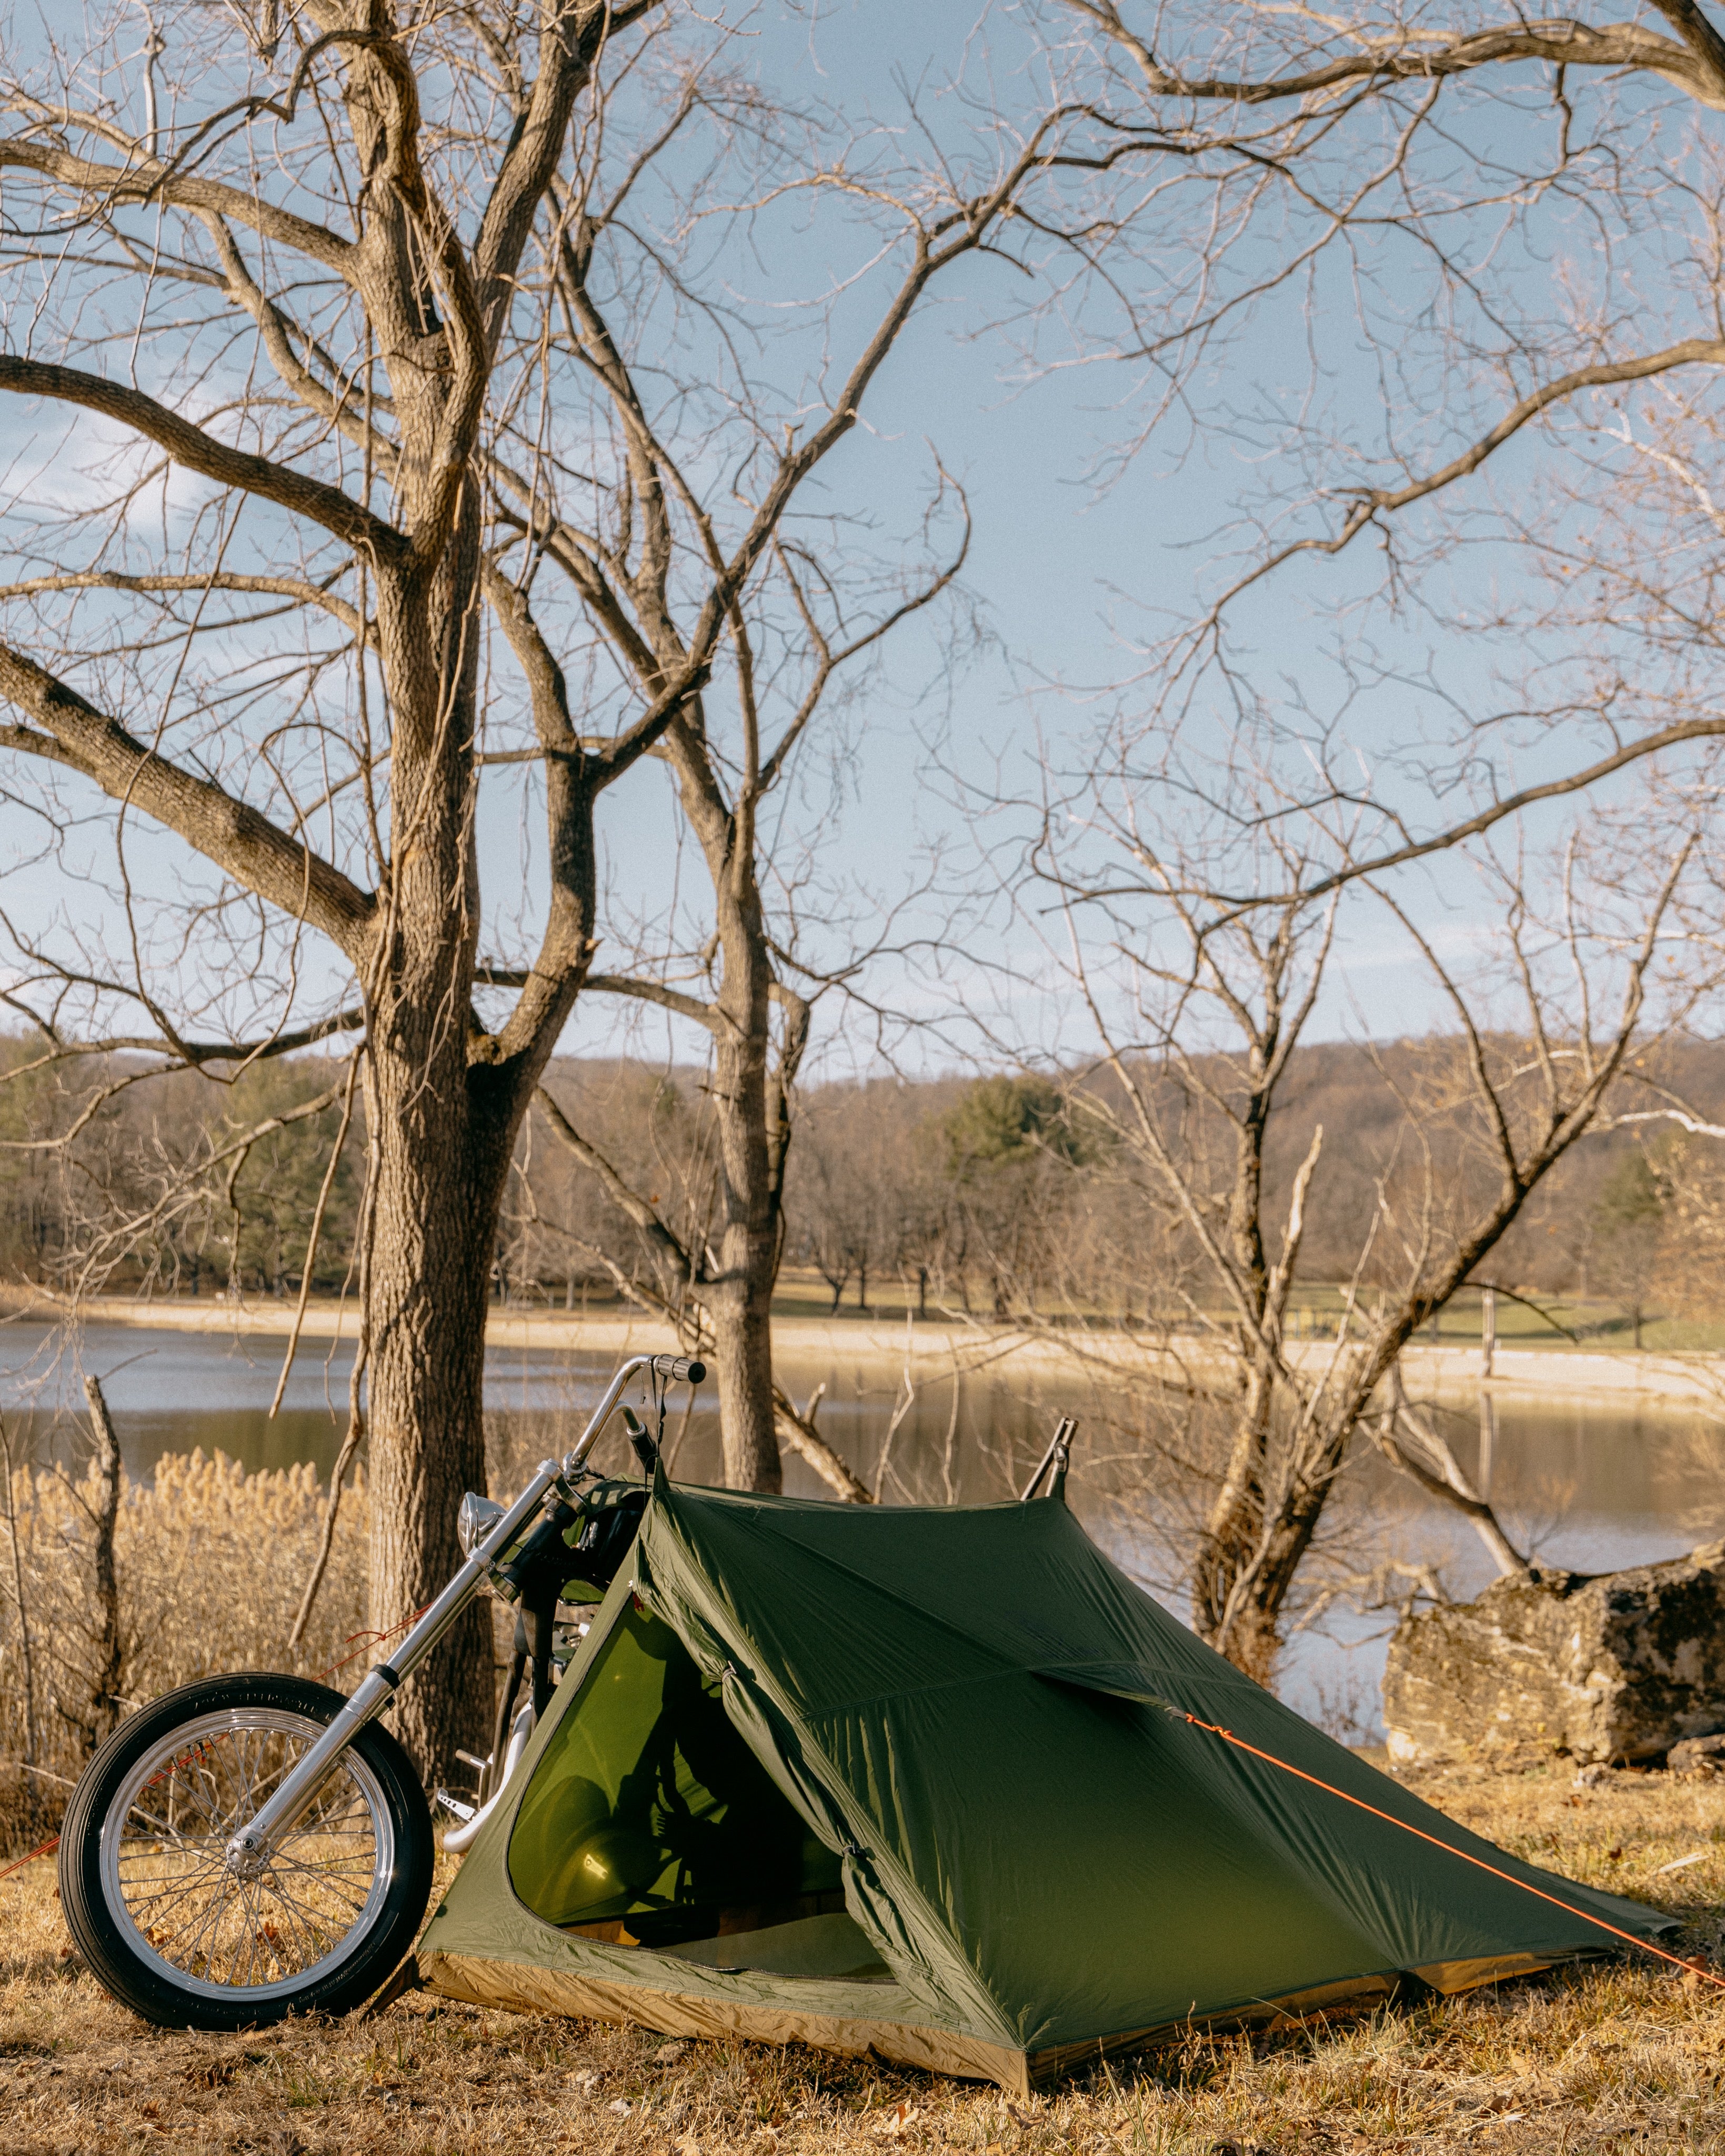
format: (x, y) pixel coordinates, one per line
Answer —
(168, 1882)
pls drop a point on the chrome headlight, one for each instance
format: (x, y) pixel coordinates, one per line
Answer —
(475, 1520)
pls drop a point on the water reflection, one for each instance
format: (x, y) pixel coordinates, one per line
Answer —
(1588, 1487)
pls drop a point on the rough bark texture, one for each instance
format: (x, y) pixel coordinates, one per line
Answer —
(108, 1644)
(741, 1296)
(1616, 1667)
(435, 1212)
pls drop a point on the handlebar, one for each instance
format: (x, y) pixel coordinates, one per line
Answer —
(683, 1366)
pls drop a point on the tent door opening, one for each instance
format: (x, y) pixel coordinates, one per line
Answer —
(649, 1822)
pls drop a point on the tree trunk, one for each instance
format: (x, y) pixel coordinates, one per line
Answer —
(1231, 1538)
(741, 1298)
(434, 1223)
(438, 1158)
(109, 1647)
(749, 1236)
(1235, 1526)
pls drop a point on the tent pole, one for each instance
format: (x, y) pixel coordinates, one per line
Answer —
(1060, 1442)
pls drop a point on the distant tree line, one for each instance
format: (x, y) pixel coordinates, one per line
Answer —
(1004, 1197)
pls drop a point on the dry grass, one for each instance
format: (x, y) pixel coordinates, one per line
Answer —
(211, 1563)
(1627, 2057)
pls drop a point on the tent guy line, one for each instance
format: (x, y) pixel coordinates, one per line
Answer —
(1676, 1961)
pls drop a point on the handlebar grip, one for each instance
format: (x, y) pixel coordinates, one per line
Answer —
(679, 1367)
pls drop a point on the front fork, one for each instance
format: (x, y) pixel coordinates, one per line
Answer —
(250, 1850)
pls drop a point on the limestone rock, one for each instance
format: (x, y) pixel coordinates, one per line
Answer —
(1698, 1755)
(1617, 1666)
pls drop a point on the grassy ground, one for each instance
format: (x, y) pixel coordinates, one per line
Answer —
(1315, 1307)
(1623, 2057)
(801, 1295)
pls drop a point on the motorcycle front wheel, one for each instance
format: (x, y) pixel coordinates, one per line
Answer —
(170, 1928)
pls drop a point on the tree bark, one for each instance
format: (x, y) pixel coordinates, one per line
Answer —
(436, 1221)
(109, 1644)
(741, 1296)
(1235, 1523)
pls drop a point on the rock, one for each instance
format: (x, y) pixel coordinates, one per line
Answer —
(1703, 1755)
(1614, 1667)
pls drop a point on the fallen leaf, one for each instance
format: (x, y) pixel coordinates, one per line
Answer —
(621, 2106)
(896, 2122)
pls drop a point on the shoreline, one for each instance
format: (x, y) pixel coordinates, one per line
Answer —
(1693, 1379)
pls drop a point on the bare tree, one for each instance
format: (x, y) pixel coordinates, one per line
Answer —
(1456, 278)
(1198, 1005)
(415, 425)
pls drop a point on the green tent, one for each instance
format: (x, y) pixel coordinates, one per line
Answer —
(921, 1784)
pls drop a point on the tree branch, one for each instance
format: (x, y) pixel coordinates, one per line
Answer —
(199, 452)
(233, 835)
(150, 181)
(1370, 502)
(1417, 59)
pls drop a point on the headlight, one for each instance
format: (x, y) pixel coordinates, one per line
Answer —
(475, 1520)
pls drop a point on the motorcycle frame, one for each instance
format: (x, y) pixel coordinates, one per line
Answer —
(249, 1850)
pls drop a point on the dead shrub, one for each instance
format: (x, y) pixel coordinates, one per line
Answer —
(211, 1562)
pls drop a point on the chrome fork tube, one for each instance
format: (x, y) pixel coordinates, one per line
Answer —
(250, 1849)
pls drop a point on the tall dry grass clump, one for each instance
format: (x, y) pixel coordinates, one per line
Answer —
(209, 1565)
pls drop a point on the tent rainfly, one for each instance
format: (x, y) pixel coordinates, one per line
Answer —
(934, 1785)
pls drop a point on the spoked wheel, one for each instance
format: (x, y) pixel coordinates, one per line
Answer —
(170, 1928)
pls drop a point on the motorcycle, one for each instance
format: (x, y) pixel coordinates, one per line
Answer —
(254, 1846)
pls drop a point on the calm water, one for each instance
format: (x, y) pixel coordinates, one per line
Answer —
(1585, 1487)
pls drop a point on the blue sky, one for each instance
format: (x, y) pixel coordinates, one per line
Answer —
(1064, 575)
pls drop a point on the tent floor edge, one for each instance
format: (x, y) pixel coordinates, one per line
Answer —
(1350, 1994)
(521, 1988)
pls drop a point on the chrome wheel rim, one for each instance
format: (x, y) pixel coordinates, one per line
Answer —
(187, 1916)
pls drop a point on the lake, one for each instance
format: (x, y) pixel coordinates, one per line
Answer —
(1589, 1487)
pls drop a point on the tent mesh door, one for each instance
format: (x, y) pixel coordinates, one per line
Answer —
(648, 1819)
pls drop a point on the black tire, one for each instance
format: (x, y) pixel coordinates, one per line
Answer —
(167, 1928)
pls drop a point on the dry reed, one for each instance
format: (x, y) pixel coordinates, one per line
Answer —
(211, 1562)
